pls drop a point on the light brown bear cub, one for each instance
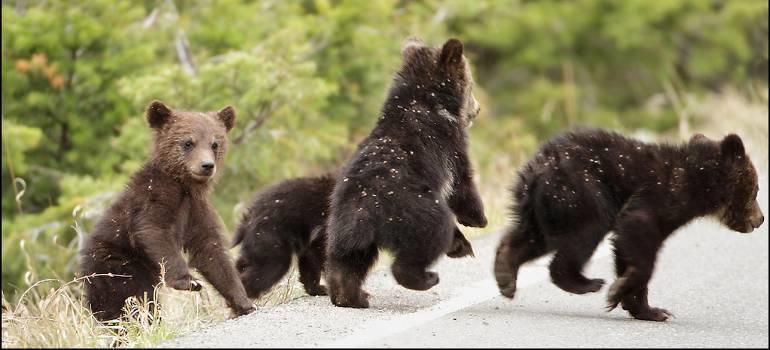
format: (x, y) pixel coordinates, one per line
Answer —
(164, 211)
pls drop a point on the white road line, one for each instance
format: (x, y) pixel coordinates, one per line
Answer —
(476, 293)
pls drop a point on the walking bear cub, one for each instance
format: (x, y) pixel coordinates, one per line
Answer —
(289, 218)
(408, 179)
(583, 184)
(163, 211)
(283, 220)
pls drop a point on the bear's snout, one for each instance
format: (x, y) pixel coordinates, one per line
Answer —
(756, 222)
(204, 171)
(757, 218)
(207, 168)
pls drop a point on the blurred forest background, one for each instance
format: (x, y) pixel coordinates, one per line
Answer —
(308, 77)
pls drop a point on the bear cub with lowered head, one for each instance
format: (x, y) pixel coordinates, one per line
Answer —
(408, 179)
(284, 219)
(584, 184)
(163, 211)
(289, 219)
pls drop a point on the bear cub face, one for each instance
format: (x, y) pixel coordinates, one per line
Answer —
(190, 145)
(740, 211)
(443, 74)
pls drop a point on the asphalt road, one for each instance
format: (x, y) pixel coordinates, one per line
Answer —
(713, 280)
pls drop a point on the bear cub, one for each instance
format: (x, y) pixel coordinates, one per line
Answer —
(163, 211)
(288, 219)
(586, 183)
(284, 219)
(408, 179)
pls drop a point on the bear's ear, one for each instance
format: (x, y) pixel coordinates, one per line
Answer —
(158, 114)
(410, 46)
(451, 54)
(227, 116)
(732, 146)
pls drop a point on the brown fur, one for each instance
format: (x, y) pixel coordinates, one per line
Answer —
(583, 184)
(288, 219)
(409, 179)
(164, 211)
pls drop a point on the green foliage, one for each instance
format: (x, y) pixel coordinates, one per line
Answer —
(599, 62)
(61, 60)
(278, 100)
(307, 79)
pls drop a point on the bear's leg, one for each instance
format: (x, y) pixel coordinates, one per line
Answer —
(310, 267)
(346, 272)
(620, 270)
(516, 248)
(160, 248)
(208, 256)
(460, 246)
(106, 295)
(573, 251)
(633, 297)
(107, 298)
(636, 247)
(143, 288)
(420, 249)
(263, 267)
(465, 201)
(413, 274)
(630, 290)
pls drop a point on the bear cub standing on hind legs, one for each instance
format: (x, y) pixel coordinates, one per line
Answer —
(164, 210)
(408, 179)
(583, 184)
(289, 218)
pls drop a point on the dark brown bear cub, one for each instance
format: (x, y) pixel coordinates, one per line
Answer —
(584, 184)
(287, 219)
(284, 219)
(408, 179)
(163, 211)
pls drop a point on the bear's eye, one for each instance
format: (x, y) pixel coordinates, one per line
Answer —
(188, 145)
(215, 146)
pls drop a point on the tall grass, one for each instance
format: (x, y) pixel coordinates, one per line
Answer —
(52, 313)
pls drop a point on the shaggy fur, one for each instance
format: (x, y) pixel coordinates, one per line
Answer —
(584, 184)
(163, 211)
(284, 219)
(288, 219)
(408, 179)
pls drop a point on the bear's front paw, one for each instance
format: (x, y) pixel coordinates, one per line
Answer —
(186, 283)
(473, 220)
(360, 301)
(652, 314)
(460, 248)
(468, 208)
(316, 290)
(508, 290)
(244, 309)
(195, 285)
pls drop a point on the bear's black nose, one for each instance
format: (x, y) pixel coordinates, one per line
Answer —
(207, 167)
(757, 222)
